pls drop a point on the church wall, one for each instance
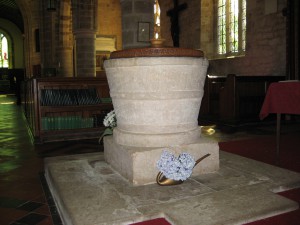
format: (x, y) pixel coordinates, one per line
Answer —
(109, 20)
(34, 22)
(265, 43)
(165, 22)
(266, 32)
(133, 12)
(189, 23)
(31, 17)
(189, 20)
(49, 36)
(207, 28)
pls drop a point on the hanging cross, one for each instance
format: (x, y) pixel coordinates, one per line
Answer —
(174, 14)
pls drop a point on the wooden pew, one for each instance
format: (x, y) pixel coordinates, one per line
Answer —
(234, 100)
(209, 110)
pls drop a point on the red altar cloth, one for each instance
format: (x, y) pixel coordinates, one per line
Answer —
(282, 98)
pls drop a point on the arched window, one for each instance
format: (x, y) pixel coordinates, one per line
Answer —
(231, 27)
(3, 51)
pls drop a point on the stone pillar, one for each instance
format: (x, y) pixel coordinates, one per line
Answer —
(65, 63)
(85, 62)
(65, 41)
(48, 42)
(84, 28)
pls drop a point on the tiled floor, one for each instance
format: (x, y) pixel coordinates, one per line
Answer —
(22, 198)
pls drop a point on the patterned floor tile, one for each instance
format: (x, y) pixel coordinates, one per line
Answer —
(9, 215)
(30, 206)
(31, 219)
(44, 210)
(6, 202)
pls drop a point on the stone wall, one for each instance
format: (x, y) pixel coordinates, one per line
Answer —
(133, 12)
(266, 36)
(207, 28)
(266, 32)
(109, 20)
(189, 23)
(31, 17)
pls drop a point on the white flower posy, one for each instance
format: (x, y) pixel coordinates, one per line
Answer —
(110, 120)
(174, 168)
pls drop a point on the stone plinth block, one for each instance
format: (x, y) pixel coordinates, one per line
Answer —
(155, 96)
(138, 164)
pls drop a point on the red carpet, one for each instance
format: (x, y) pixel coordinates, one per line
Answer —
(264, 149)
(157, 221)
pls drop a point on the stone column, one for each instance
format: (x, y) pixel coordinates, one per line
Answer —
(84, 29)
(48, 39)
(85, 62)
(65, 63)
(65, 41)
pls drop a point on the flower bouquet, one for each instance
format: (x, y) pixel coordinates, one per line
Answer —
(110, 122)
(175, 170)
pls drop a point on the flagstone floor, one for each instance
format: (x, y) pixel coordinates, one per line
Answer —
(87, 191)
(22, 199)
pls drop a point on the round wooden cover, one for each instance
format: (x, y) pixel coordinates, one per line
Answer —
(156, 52)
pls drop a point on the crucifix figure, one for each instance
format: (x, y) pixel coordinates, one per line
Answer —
(174, 14)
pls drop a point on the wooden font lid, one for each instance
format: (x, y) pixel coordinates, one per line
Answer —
(156, 52)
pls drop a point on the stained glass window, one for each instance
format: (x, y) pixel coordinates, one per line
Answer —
(231, 27)
(3, 51)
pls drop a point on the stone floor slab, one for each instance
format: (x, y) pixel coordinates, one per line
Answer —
(88, 191)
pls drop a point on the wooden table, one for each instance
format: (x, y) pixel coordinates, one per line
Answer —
(281, 98)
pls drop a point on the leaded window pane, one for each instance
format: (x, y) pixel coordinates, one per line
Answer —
(222, 26)
(3, 51)
(231, 26)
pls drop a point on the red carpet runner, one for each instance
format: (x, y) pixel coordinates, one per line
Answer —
(264, 150)
(157, 221)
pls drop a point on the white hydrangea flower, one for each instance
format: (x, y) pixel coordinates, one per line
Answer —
(174, 168)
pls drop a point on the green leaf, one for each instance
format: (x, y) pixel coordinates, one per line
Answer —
(107, 131)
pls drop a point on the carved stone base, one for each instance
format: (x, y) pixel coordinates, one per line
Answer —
(138, 164)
